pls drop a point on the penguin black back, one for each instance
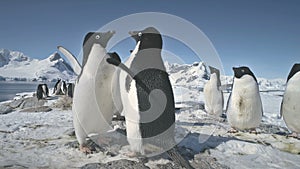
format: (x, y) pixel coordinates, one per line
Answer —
(241, 71)
(55, 86)
(39, 92)
(294, 70)
(144, 65)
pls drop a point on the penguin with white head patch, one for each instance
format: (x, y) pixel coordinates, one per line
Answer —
(213, 95)
(93, 105)
(244, 109)
(290, 107)
(147, 98)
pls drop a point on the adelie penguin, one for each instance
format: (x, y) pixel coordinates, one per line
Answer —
(213, 95)
(147, 98)
(244, 108)
(42, 91)
(290, 107)
(60, 87)
(93, 105)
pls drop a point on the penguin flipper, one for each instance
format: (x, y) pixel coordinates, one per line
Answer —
(281, 111)
(72, 59)
(119, 64)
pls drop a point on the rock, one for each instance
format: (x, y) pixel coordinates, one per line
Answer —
(95, 148)
(37, 109)
(119, 164)
(32, 102)
(167, 166)
(16, 103)
(64, 102)
(4, 109)
(205, 161)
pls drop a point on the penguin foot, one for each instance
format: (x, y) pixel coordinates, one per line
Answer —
(233, 130)
(294, 135)
(254, 131)
(132, 154)
(85, 149)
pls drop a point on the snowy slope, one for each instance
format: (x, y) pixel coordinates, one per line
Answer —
(17, 66)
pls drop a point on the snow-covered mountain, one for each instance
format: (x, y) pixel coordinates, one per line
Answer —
(196, 75)
(15, 65)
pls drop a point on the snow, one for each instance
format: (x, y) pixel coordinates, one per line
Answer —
(38, 139)
(17, 66)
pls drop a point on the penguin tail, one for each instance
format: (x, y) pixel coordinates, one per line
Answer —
(178, 159)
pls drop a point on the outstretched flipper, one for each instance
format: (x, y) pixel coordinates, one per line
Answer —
(119, 64)
(72, 59)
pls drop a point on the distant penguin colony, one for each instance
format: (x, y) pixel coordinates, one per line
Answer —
(93, 104)
(213, 95)
(244, 108)
(290, 106)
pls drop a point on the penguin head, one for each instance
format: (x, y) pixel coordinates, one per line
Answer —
(149, 38)
(101, 38)
(295, 69)
(239, 72)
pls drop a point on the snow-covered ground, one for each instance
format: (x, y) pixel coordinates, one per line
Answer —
(45, 139)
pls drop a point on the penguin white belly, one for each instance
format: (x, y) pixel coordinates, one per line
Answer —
(213, 99)
(131, 111)
(92, 103)
(245, 109)
(291, 106)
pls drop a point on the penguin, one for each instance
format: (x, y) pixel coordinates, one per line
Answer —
(42, 91)
(290, 107)
(57, 87)
(70, 89)
(213, 95)
(244, 109)
(39, 92)
(63, 88)
(147, 97)
(93, 104)
(45, 90)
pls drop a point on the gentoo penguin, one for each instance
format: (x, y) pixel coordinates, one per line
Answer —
(244, 109)
(93, 105)
(213, 95)
(42, 91)
(290, 107)
(147, 97)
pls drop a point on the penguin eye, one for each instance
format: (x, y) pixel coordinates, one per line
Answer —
(97, 37)
(243, 71)
(140, 34)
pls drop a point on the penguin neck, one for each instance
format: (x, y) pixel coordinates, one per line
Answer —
(150, 58)
(215, 80)
(96, 55)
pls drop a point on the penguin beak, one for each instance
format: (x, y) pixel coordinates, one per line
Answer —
(134, 35)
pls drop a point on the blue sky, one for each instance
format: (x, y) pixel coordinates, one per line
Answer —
(264, 35)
